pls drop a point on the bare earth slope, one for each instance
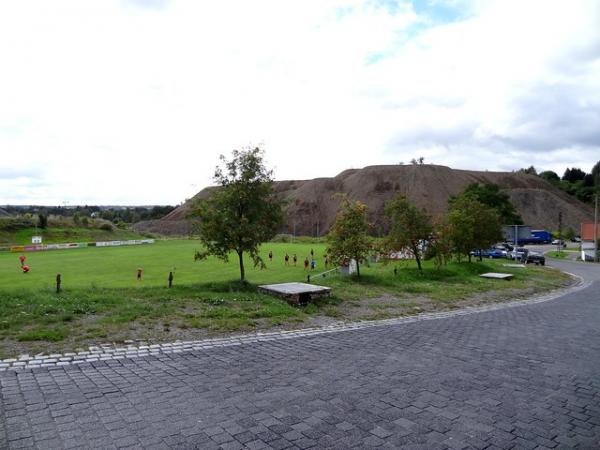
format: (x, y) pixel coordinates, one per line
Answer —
(311, 204)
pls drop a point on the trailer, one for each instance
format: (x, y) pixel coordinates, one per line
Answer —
(525, 235)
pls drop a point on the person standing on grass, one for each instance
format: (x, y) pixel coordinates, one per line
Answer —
(139, 274)
(287, 259)
(22, 259)
(270, 256)
(313, 264)
(326, 261)
(295, 259)
(306, 263)
(312, 253)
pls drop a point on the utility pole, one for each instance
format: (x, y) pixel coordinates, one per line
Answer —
(596, 227)
(559, 232)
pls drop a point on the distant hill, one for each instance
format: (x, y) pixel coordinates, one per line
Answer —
(4, 213)
(311, 205)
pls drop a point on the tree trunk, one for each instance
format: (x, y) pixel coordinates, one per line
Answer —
(242, 272)
(469, 257)
(415, 251)
(357, 268)
(480, 255)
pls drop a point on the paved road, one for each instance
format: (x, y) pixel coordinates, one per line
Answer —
(523, 377)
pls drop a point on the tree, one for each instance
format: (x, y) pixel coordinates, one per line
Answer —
(596, 174)
(348, 237)
(440, 244)
(471, 225)
(410, 227)
(491, 196)
(569, 234)
(242, 211)
(550, 176)
(574, 174)
(530, 170)
(42, 221)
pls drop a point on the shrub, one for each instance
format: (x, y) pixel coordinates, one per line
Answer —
(16, 223)
(107, 227)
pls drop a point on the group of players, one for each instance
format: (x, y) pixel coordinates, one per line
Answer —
(286, 259)
(312, 263)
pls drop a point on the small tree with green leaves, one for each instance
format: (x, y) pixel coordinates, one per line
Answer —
(439, 246)
(569, 234)
(348, 237)
(242, 212)
(410, 228)
(471, 225)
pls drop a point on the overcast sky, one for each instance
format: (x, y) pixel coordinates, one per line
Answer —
(132, 101)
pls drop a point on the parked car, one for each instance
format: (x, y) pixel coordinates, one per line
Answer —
(576, 239)
(505, 246)
(518, 254)
(559, 242)
(489, 253)
(536, 258)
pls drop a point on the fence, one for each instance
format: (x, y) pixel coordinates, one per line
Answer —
(43, 247)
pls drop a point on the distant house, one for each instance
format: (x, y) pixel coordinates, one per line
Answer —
(587, 241)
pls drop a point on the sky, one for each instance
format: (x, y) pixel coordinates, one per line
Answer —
(132, 101)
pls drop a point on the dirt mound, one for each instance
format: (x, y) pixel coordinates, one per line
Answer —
(311, 205)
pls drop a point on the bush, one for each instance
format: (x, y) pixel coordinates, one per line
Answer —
(107, 227)
(16, 223)
(283, 238)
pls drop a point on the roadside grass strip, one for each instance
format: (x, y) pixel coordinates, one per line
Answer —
(111, 352)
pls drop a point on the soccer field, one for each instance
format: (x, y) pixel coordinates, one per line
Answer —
(108, 267)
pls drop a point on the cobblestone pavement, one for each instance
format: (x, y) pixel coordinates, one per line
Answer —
(522, 377)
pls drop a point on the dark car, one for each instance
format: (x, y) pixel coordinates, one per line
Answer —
(536, 258)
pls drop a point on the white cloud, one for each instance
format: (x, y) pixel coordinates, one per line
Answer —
(119, 102)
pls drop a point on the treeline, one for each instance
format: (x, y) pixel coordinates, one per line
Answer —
(121, 214)
(574, 181)
(473, 222)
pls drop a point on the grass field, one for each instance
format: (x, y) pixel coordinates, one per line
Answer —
(115, 267)
(102, 302)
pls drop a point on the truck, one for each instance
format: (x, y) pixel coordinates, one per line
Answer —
(540, 237)
(525, 235)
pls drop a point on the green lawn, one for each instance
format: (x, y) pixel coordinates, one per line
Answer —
(102, 301)
(562, 254)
